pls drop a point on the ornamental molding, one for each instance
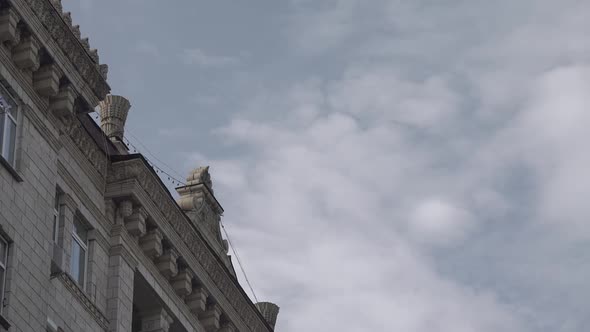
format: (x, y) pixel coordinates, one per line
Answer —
(88, 148)
(148, 270)
(64, 174)
(59, 28)
(79, 294)
(135, 170)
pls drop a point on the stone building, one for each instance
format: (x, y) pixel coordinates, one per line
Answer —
(90, 238)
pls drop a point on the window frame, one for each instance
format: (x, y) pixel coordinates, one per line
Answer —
(84, 246)
(56, 215)
(3, 267)
(9, 117)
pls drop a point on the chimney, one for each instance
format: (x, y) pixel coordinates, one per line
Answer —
(113, 114)
(269, 311)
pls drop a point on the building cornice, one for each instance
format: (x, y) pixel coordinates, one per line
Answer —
(131, 171)
(61, 42)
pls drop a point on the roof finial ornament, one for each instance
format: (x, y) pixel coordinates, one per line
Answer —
(200, 175)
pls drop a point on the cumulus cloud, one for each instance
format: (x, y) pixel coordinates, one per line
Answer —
(414, 190)
(402, 165)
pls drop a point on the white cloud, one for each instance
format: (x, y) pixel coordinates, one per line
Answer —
(435, 221)
(453, 146)
(198, 57)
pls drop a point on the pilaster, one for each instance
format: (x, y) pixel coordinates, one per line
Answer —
(121, 274)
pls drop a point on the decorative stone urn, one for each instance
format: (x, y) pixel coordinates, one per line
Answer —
(113, 114)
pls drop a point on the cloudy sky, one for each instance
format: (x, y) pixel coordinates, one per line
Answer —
(385, 165)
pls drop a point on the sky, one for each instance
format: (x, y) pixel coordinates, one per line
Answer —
(384, 165)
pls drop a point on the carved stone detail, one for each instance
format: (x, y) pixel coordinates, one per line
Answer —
(156, 321)
(210, 319)
(182, 283)
(228, 327)
(135, 223)
(192, 237)
(63, 103)
(8, 25)
(197, 300)
(166, 263)
(60, 27)
(46, 80)
(151, 243)
(87, 145)
(26, 54)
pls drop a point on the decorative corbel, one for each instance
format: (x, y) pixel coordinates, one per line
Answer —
(182, 283)
(228, 327)
(210, 319)
(26, 54)
(135, 223)
(63, 103)
(46, 80)
(166, 263)
(8, 25)
(151, 243)
(197, 300)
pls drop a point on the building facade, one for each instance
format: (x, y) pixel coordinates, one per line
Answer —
(90, 238)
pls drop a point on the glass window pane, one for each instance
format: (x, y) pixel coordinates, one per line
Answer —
(56, 200)
(2, 277)
(75, 260)
(10, 141)
(82, 264)
(3, 247)
(12, 110)
(81, 230)
(2, 130)
(78, 263)
(55, 228)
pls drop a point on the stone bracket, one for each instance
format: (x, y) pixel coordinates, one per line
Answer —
(135, 223)
(210, 319)
(197, 300)
(182, 283)
(46, 80)
(151, 243)
(8, 25)
(63, 103)
(166, 263)
(26, 54)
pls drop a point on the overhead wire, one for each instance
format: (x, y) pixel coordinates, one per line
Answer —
(235, 251)
(175, 180)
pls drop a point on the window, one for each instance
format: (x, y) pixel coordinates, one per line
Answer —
(79, 252)
(55, 226)
(3, 262)
(8, 125)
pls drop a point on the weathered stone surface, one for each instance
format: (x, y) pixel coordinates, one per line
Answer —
(26, 54)
(182, 283)
(197, 300)
(63, 103)
(8, 25)
(156, 321)
(151, 243)
(46, 80)
(210, 319)
(135, 223)
(166, 263)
